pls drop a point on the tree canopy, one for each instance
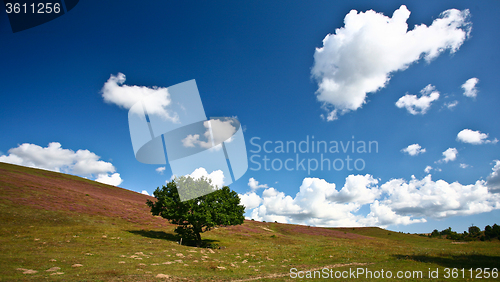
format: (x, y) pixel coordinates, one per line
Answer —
(193, 217)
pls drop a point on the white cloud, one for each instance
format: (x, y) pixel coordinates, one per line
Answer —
(217, 131)
(494, 178)
(160, 170)
(55, 158)
(254, 184)
(396, 201)
(191, 140)
(449, 155)
(278, 203)
(413, 150)
(125, 96)
(222, 130)
(145, 192)
(420, 105)
(469, 87)
(87, 163)
(439, 199)
(250, 200)
(357, 188)
(428, 169)
(464, 165)
(360, 57)
(451, 105)
(382, 215)
(217, 176)
(319, 203)
(474, 137)
(113, 180)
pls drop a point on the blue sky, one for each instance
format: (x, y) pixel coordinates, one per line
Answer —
(258, 61)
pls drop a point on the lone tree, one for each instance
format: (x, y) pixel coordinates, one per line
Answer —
(195, 216)
(474, 230)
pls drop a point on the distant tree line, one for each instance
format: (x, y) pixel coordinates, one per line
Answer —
(489, 233)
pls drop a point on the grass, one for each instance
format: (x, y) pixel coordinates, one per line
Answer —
(85, 231)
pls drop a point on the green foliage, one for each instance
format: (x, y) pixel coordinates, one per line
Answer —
(474, 234)
(446, 231)
(212, 246)
(492, 232)
(435, 233)
(193, 217)
(474, 230)
(192, 188)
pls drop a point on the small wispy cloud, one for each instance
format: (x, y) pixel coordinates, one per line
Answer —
(469, 87)
(474, 137)
(413, 150)
(451, 105)
(254, 184)
(420, 105)
(449, 155)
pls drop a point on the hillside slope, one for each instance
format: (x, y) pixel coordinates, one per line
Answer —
(60, 227)
(47, 190)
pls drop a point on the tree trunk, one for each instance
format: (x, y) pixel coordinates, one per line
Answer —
(198, 239)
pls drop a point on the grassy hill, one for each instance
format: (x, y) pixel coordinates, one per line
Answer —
(58, 227)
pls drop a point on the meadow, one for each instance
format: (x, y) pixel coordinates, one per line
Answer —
(58, 227)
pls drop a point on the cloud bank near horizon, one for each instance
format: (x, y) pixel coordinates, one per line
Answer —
(55, 158)
(395, 202)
